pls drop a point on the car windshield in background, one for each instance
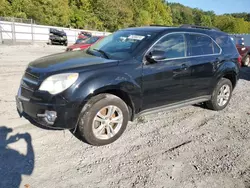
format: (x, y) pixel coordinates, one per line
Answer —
(121, 44)
(79, 41)
(91, 40)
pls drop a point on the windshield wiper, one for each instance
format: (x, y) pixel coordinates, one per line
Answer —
(102, 52)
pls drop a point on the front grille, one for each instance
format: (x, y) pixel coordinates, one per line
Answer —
(29, 83)
(31, 76)
(26, 92)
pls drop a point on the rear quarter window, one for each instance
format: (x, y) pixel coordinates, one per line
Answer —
(227, 44)
(199, 45)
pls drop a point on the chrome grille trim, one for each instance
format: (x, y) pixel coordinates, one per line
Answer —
(32, 75)
(29, 89)
(23, 98)
(30, 81)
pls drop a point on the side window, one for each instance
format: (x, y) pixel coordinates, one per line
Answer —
(227, 44)
(201, 45)
(172, 46)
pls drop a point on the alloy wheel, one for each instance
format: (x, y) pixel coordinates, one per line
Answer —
(107, 122)
(223, 95)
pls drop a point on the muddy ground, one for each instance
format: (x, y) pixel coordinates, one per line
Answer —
(191, 147)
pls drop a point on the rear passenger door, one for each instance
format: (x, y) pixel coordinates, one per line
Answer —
(204, 54)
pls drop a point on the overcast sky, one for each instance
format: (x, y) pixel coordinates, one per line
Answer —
(218, 6)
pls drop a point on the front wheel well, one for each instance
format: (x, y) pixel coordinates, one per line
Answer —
(125, 97)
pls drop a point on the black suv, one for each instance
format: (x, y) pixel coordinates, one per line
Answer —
(134, 71)
(57, 37)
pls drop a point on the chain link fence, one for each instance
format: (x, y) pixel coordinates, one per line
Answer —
(19, 20)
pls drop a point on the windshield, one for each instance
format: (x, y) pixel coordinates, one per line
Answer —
(121, 44)
(79, 41)
(91, 40)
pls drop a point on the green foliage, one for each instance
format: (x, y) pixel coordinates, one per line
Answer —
(231, 23)
(5, 8)
(244, 15)
(51, 12)
(206, 21)
(112, 15)
(181, 14)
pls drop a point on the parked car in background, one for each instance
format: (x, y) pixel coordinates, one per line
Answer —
(134, 71)
(57, 37)
(243, 50)
(84, 34)
(84, 44)
(82, 40)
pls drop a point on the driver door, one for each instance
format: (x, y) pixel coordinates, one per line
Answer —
(166, 80)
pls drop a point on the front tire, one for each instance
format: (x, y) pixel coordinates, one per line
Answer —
(221, 95)
(102, 120)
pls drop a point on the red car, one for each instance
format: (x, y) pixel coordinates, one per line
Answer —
(85, 43)
(243, 50)
(84, 34)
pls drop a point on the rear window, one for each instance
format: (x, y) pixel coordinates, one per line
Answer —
(199, 45)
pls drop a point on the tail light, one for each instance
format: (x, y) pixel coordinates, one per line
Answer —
(240, 60)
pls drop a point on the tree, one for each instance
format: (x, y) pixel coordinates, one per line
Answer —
(49, 12)
(181, 14)
(82, 15)
(112, 15)
(206, 21)
(5, 8)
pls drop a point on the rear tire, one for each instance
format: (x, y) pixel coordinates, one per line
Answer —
(96, 126)
(246, 61)
(221, 95)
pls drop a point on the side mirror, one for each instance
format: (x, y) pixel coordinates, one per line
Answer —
(154, 56)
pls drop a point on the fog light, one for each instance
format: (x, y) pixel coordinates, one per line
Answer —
(48, 116)
(51, 115)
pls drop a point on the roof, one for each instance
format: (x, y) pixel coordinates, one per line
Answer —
(149, 28)
(158, 29)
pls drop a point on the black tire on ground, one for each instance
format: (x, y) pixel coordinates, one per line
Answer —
(84, 130)
(246, 61)
(213, 103)
(50, 42)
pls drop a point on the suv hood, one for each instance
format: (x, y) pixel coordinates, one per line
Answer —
(68, 60)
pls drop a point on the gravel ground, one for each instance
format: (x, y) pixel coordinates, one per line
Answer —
(191, 147)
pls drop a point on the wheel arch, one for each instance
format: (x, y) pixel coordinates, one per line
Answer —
(132, 101)
(124, 96)
(229, 70)
(232, 77)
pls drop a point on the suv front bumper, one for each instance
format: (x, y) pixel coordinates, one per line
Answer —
(55, 116)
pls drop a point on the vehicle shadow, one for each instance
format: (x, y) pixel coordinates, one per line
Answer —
(12, 163)
(245, 73)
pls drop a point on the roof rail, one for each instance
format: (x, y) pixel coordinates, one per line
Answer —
(199, 27)
(155, 25)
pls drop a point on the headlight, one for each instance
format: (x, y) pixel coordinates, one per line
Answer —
(58, 83)
(76, 49)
